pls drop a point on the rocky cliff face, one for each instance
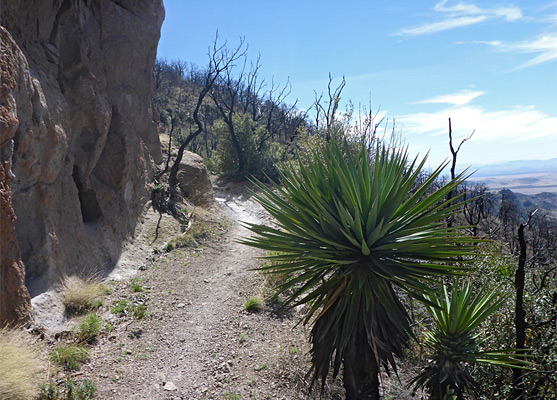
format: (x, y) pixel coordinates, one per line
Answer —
(82, 139)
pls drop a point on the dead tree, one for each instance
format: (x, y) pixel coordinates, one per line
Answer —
(519, 312)
(329, 113)
(220, 59)
(249, 96)
(226, 98)
(275, 110)
(454, 154)
(474, 205)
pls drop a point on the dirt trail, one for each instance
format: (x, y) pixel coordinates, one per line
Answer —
(198, 342)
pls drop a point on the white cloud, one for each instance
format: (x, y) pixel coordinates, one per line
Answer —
(545, 46)
(516, 124)
(435, 27)
(460, 15)
(458, 99)
(493, 43)
(509, 13)
(515, 133)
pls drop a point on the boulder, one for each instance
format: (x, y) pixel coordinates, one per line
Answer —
(194, 179)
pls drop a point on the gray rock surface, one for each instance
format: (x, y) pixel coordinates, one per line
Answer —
(82, 149)
(194, 179)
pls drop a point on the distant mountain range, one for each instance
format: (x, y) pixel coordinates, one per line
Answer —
(545, 203)
(520, 167)
(524, 176)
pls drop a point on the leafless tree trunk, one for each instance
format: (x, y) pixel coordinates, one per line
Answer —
(226, 100)
(332, 104)
(220, 60)
(454, 154)
(519, 312)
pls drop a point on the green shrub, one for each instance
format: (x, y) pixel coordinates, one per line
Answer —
(89, 328)
(69, 356)
(49, 391)
(123, 307)
(120, 307)
(84, 391)
(254, 304)
(139, 311)
(136, 286)
(71, 390)
(260, 152)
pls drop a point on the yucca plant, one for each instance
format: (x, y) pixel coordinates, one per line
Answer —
(455, 343)
(349, 232)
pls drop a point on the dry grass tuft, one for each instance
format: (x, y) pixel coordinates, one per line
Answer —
(82, 295)
(20, 366)
(198, 230)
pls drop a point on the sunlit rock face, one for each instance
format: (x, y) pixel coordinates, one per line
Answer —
(82, 141)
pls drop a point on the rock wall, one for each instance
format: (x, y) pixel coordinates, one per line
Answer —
(84, 142)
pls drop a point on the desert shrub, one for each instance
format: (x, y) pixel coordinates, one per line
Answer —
(20, 366)
(49, 391)
(136, 286)
(70, 390)
(89, 328)
(254, 304)
(198, 230)
(138, 311)
(119, 307)
(82, 295)
(261, 153)
(69, 356)
(123, 307)
(83, 391)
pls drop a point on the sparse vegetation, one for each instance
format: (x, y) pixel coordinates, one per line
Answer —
(231, 396)
(198, 230)
(123, 307)
(49, 391)
(120, 307)
(89, 328)
(70, 390)
(20, 366)
(254, 304)
(82, 295)
(135, 285)
(261, 367)
(69, 356)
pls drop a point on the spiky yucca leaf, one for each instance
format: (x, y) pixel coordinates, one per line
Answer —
(455, 342)
(349, 232)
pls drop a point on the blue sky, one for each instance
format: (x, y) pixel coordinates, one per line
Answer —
(490, 66)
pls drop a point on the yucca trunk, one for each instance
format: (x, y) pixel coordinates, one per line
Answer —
(360, 363)
(361, 379)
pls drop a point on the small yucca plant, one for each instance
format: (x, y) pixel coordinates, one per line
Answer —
(349, 232)
(455, 343)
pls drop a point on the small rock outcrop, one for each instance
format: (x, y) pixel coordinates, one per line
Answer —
(80, 141)
(194, 180)
(15, 303)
